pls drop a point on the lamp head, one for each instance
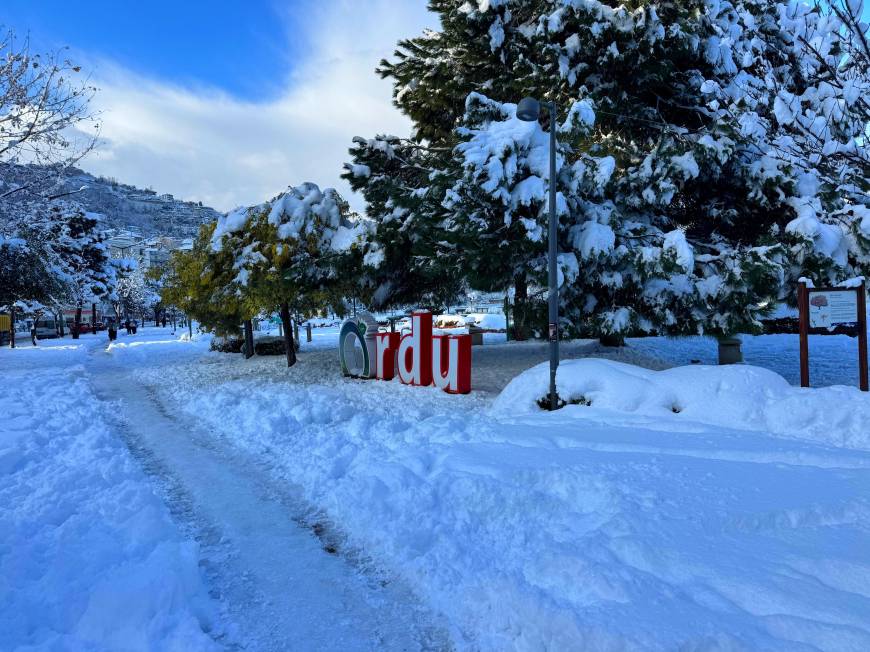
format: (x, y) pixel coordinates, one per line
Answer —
(529, 109)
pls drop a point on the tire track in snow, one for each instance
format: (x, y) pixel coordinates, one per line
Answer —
(267, 558)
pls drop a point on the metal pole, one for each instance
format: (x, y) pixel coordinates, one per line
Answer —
(804, 329)
(863, 375)
(554, 290)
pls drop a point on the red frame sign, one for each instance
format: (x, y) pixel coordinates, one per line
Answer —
(831, 310)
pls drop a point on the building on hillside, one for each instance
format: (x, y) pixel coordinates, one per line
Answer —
(124, 244)
(147, 252)
(154, 257)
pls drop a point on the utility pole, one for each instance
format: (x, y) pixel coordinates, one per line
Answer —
(529, 110)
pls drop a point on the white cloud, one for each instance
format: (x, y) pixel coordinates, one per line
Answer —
(203, 144)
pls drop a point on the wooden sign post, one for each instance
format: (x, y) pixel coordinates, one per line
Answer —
(833, 311)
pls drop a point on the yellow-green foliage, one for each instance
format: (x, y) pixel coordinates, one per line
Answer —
(197, 282)
(260, 265)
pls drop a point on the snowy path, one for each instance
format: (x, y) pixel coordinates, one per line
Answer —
(278, 582)
(90, 557)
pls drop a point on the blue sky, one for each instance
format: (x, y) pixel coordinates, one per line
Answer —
(228, 101)
(244, 48)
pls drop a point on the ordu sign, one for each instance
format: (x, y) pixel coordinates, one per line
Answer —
(418, 358)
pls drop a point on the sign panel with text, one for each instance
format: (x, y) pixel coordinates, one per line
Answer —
(416, 358)
(829, 309)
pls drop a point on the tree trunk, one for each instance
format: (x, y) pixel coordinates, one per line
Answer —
(189, 327)
(612, 340)
(78, 323)
(60, 324)
(289, 345)
(729, 350)
(249, 339)
(521, 308)
(93, 316)
(12, 327)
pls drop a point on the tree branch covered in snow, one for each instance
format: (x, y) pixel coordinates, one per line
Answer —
(722, 155)
(44, 111)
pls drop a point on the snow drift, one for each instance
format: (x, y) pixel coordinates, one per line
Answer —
(737, 396)
(89, 555)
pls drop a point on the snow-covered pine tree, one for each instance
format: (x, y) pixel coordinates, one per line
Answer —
(819, 116)
(404, 182)
(677, 207)
(30, 268)
(497, 213)
(87, 267)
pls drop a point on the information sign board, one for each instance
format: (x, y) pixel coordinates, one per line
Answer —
(830, 309)
(827, 311)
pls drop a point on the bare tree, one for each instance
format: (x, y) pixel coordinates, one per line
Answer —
(45, 113)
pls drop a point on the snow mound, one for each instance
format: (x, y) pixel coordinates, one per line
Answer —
(489, 320)
(90, 558)
(736, 396)
(153, 345)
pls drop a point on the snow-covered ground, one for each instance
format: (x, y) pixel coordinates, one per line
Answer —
(696, 508)
(89, 556)
(833, 358)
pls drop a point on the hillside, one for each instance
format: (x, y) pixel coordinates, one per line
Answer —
(125, 206)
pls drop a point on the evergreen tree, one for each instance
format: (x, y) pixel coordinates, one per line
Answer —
(197, 281)
(29, 265)
(678, 211)
(497, 212)
(820, 130)
(403, 187)
(89, 271)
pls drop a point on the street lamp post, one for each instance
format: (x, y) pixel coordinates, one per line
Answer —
(529, 110)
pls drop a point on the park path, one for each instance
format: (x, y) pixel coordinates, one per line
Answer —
(267, 559)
